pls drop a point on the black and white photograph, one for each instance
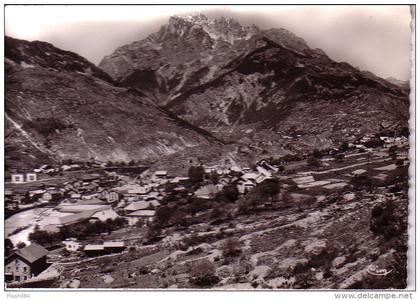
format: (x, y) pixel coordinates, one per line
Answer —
(209, 147)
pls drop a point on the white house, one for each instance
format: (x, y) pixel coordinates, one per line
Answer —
(72, 244)
(104, 215)
(140, 215)
(31, 177)
(137, 206)
(18, 178)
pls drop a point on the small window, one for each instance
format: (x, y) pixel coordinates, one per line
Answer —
(16, 261)
(17, 269)
(25, 277)
(25, 269)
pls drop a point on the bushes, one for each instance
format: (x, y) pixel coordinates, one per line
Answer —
(231, 247)
(385, 220)
(313, 162)
(79, 230)
(46, 126)
(269, 187)
(196, 174)
(361, 181)
(203, 274)
(229, 193)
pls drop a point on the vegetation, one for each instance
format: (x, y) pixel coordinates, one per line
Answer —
(196, 174)
(229, 193)
(231, 247)
(46, 126)
(79, 230)
(203, 274)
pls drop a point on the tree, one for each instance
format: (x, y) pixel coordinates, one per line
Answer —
(316, 153)
(163, 214)
(179, 218)
(8, 247)
(344, 147)
(21, 245)
(269, 187)
(361, 181)
(314, 162)
(231, 247)
(196, 174)
(214, 177)
(203, 273)
(230, 193)
(339, 157)
(131, 163)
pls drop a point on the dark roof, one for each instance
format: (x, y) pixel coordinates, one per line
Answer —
(32, 252)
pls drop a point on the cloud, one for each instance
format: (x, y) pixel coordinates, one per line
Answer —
(374, 38)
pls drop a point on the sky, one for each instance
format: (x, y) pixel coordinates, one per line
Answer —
(374, 38)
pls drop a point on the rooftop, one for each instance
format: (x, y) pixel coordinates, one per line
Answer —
(32, 252)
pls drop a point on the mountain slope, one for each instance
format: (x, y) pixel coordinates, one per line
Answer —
(61, 106)
(236, 81)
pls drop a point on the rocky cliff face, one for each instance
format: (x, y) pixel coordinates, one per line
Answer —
(237, 81)
(59, 106)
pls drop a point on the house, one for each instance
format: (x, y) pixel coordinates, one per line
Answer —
(137, 206)
(18, 178)
(114, 247)
(26, 263)
(79, 207)
(140, 214)
(75, 196)
(104, 215)
(151, 196)
(244, 185)
(207, 192)
(105, 248)
(77, 217)
(179, 180)
(161, 174)
(72, 244)
(31, 177)
(89, 195)
(303, 180)
(139, 190)
(266, 166)
(92, 201)
(90, 177)
(130, 197)
(94, 250)
(250, 176)
(88, 187)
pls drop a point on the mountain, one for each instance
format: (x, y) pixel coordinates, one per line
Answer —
(60, 106)
(401, 83)
(257, 86)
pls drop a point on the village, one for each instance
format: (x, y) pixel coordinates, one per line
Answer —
(61, 217)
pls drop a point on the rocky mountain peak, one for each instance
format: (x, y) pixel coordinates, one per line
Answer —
(225, 29)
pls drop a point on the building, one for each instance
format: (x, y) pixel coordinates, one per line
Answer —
(104, 215)
(72, 244)
(18, 178)
(26, 263)
(114, 247)
(207, 192)
(94, 250)
(105, 248)
(110, 196)
(161, 174)
(146, 215)
(137, 206)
